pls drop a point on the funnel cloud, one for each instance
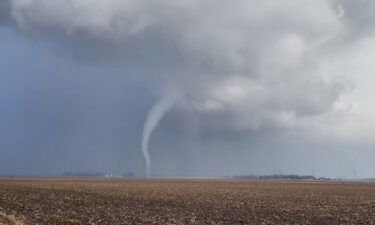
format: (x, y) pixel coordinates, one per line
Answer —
(153, 118)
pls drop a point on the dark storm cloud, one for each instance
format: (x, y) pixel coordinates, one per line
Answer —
(57, 115)
(244, 72)
(358, 16)
(5, 12)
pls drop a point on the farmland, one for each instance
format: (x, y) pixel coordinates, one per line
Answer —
(163, 201)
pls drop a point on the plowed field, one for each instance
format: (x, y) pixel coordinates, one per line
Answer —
(137, 201)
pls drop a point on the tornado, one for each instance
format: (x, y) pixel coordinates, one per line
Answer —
(153, 118)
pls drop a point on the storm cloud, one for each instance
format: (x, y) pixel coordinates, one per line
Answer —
(259, 81)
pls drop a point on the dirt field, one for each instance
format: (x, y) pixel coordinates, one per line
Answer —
(69, 201)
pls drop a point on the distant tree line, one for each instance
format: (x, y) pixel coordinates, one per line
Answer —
(82, 174)
(281, 177)
(95, 174)
(287, 177)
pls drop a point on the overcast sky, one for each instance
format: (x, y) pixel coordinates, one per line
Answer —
(258, 87)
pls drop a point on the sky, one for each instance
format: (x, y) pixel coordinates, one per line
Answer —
(197, 88)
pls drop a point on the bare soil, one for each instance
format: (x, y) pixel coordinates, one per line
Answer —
(160, 201)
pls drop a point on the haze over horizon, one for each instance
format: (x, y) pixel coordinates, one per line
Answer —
(227, 87)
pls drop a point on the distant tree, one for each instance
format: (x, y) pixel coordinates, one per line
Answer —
(128, 174)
